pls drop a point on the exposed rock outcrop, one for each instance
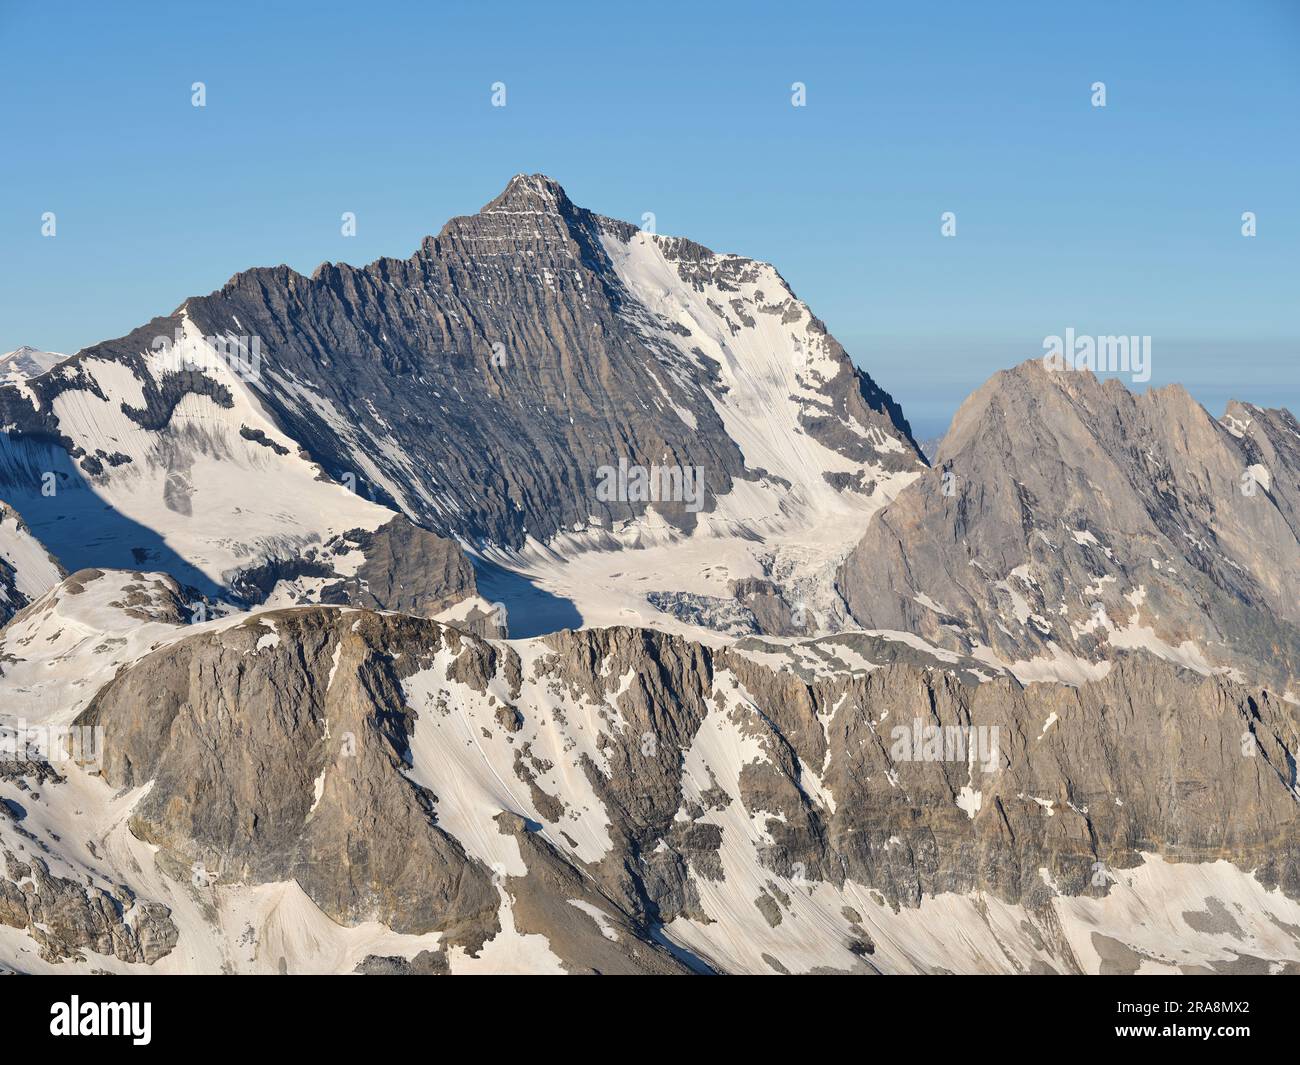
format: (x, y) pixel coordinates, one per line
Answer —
(478, 387)
(276, 749)
(65, 917)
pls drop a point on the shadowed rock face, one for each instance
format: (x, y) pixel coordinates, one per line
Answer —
(404, 568)
(282, 748)
(1070, 513)
(229, 509)
(483, 389)
(507, 362)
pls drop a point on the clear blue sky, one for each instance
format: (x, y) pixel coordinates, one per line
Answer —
(1117, 220)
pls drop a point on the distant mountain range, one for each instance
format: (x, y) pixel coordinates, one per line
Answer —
(25, 362)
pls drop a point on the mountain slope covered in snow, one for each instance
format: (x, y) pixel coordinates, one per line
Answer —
(139, 460)
(25, 362)
(27, 569)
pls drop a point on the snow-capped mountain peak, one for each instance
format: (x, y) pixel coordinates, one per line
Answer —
(26, 361)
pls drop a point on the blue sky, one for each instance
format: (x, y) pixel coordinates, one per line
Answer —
(1123, 219)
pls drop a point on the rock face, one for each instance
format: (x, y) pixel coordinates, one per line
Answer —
(405, 568)
(399, 566)
(1067, 519)
(279, 750)
(485, 380)
(181, 470)
(401, 771)
(275, 749)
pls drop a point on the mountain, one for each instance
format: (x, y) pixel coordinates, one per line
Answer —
(25, 362)
(1067, 520)
(563, 599)
(613, 344)
(486, 389)
(133, 464)
(27, 570)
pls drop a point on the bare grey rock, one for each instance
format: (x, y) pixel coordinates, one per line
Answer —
(65, 917)
(1068, 513)
(235, 737)
(278, 749)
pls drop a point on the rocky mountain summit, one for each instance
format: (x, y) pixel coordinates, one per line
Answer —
(480, 385)
(481, 389)
(1067, 519)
